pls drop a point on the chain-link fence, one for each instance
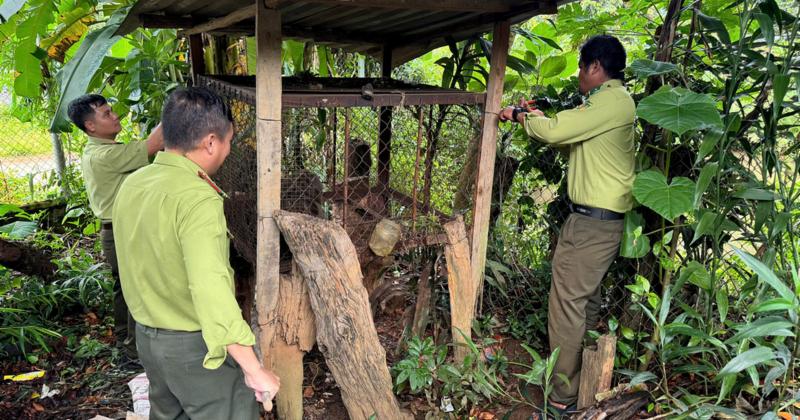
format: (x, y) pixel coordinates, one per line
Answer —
(28, 164)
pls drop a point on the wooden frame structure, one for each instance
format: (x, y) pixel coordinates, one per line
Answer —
(393, 31)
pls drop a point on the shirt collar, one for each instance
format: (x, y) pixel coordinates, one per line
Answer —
(179, 161)
(98, 140)
(611, 83)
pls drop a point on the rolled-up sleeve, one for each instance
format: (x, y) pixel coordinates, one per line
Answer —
(203, 237)
(570, 126)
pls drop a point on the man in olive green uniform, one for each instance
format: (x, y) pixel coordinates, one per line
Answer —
(600, 138)
(105, 164)
(196, 348)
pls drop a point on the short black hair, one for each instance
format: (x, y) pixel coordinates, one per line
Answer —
(82, 108)
(608, 51)
(192, 113)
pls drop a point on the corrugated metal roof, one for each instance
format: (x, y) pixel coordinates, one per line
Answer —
(409, 27)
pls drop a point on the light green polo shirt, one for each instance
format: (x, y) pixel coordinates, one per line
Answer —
(105, 164)
(171, 237)
(600, 136)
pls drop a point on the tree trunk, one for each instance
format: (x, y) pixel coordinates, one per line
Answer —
(345, 329)
(27, 259)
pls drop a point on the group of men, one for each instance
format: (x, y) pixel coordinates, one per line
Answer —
(164, 235)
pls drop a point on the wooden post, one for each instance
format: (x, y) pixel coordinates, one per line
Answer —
(268, 135)
(461, 285)
(385, 134)
(596, 370)
(196, 56)
(290, 333)
(488, 147)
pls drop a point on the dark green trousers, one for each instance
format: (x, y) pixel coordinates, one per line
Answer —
(586, 248)
(123, 321)
(181, 388)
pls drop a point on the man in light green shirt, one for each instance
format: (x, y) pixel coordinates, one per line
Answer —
(105, 164)
(600, 138)
(196, 348)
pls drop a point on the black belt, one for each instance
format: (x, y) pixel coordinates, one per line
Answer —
(595, 212)
(106, 225)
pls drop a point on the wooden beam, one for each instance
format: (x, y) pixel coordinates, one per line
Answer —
(268, 134)
(461, 286)
(166, 22)
(596, 370)
(196, 56)
(227, 20)
(487, 150)
(483, 6)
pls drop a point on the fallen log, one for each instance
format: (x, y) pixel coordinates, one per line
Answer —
(344, 326)
(622, 407)
(27, 259)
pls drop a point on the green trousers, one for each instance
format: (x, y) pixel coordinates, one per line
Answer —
(181, 388)
(123, 321)
(586, 248)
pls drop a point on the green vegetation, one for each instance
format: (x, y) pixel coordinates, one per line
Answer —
(22, 138)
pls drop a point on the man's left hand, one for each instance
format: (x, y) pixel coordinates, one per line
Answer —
(506, 114)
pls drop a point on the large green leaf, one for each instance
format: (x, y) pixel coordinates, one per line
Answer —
(749, 358)
(634, 243)
(767, 28)
(644, 68)
(669, 200)
(76, 75)
(19, 229)
(769, 326)
(679, 110)
(553, 66)
(765, 274)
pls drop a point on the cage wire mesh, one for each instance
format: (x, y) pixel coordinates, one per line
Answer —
(335, 166)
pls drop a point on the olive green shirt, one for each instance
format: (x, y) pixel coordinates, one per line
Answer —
(172, 240)
(600, 136)
(105, 164)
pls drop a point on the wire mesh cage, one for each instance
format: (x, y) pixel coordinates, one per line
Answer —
(359, 152)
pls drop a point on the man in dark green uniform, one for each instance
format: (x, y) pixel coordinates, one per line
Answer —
(600, 138)
(196, 348)
(105, 164)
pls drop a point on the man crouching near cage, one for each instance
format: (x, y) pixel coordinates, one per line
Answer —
(195, 347)
(105, 164)
(600, 137)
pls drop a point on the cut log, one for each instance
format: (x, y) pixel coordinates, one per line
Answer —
(596, 370)
(345, 329)
(26, 259)
(461, 284)
(422, 309)
(288, 333)
(623, 407)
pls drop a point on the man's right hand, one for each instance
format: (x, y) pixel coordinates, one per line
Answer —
(262, 381)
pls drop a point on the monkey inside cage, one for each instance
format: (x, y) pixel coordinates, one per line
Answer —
(377, 156)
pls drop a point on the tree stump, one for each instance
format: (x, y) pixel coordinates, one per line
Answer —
(596, 370)
(287, 335)
(463, 291)
(345, 329)
(27, 259)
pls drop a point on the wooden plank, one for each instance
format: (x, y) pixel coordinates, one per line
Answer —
(268, 135)
(345, 329)
(484, 6)
(488, 147)
(221, 22)
(461, 285)
(596, 370)
(290, 332)
(196, 56)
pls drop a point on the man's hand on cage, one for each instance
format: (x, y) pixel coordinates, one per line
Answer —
(506, 114)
